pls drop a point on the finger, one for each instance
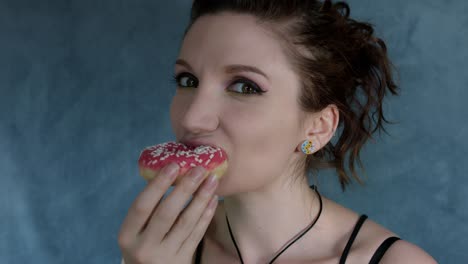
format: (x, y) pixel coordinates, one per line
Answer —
(191, 215)
(169, 209)
(192, 241)
(147, 200)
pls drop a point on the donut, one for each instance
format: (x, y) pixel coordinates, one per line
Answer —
(154, 158)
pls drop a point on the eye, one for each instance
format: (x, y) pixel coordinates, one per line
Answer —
(241, 85)
(247, 87)
(185, 80)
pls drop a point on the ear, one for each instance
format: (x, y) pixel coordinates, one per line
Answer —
(321, 126)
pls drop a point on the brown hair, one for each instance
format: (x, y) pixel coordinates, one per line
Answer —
(340, 62)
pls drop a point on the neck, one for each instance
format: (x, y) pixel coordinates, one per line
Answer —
(265, 221)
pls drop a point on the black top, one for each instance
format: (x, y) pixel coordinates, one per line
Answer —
(374, 260)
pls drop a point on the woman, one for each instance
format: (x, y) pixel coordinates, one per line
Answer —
(270, 82)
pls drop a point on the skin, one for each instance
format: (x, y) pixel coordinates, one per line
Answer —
(262, 135)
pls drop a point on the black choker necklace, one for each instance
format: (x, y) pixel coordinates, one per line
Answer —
(303, 233)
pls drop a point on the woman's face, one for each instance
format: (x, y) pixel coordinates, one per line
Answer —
(254, 118)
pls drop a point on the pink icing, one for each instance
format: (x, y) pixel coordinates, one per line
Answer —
(158, 156)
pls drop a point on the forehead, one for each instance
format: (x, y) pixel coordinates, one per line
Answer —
(227, 38)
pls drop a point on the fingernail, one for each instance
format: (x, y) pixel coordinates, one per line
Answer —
(212, 181)
(197, 174)
(171, 169)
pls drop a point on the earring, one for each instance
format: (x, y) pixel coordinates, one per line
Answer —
(308, 147)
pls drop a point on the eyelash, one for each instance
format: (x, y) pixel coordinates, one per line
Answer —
(257, 90)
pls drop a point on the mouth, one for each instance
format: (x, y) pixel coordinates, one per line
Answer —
(195, 144)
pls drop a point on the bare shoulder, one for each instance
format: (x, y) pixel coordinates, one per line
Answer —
(405, 252)
(401, 251)
(372, 235)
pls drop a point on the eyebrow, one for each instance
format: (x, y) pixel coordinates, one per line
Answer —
(230, 68)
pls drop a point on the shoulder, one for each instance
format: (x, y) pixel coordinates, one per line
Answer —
(401, 251)
(372, 235)
(405, 252)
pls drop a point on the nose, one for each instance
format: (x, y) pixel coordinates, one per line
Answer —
(201, 114)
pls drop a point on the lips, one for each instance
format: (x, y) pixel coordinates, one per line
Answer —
(196, 143)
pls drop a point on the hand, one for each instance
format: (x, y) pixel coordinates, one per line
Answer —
(159, 231)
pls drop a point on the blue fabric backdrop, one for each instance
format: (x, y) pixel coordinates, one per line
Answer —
(85, 85)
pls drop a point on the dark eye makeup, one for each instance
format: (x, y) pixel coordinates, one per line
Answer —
(249, 87)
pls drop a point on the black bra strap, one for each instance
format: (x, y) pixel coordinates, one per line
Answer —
(381, 250)
(352, 237)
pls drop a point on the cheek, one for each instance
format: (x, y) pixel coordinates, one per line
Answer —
(261, 143)
(262, 129)
(176, 114)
